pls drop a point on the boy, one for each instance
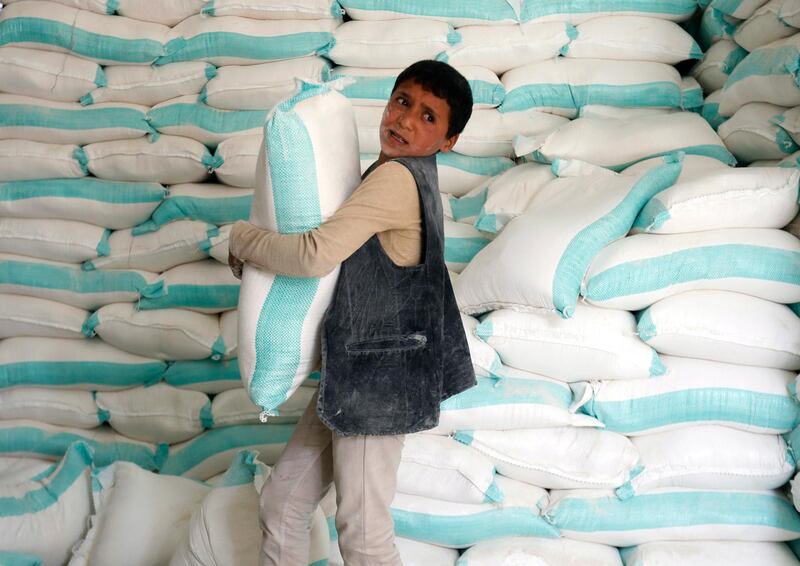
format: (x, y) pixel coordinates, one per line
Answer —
(393, 345)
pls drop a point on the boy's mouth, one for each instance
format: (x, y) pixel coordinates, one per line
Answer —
(396, 137)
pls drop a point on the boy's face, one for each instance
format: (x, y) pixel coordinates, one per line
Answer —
(415, 123)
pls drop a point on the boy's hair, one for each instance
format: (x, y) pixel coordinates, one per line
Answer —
(442, 80)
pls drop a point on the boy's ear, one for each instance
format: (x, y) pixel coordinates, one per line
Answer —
(449, 143)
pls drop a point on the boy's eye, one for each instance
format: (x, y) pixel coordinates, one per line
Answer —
(429, 117)
(401, 100)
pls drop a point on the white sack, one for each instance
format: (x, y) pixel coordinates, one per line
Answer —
(168, 160)
(148, 85)
(21, 160)
(635, 272)
(88, 365)
(724, 327)
(320, 162)
(166, 334)
(45, 74)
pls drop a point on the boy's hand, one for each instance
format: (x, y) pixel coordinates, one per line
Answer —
(236, 265)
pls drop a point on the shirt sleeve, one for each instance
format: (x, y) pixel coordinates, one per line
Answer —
(387, 199)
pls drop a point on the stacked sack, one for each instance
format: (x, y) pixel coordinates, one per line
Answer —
(748, 113)
(579, 126)
(129, 137)
(119, 326)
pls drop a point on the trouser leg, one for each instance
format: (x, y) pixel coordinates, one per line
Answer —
(365, 473)
(293, 490)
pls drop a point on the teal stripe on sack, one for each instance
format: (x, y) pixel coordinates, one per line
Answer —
(487, 10)
(367, 88)
(718, 152)
(707, 404)
(645, 327)
(652, 217)
(663, 93)
(490, 392)
(484, 166)
(195, 373)
(733, 59)
(543, 8)
(228, 44)
(242, 470)
(462, 250)
(32, 441)
(69, 278)
(586, 244)
(710, 112)
(66, 374)
(8, 558)
(468, 206)
(79, 41)
(222, 210)
(785, 142)
(465, 530)
(199, 296)
(206, 118)
(766, 61)
(484, 92)
(796, 308)
(706, 262)
(84, 118)
(212, 442)
(292, 170)
(112, 192)
(77, 460)
(678, 509)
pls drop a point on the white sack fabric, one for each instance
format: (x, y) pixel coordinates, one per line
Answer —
(617, 143)
(768, 74)
(21, 160)
(710, 457)
(503, 47)
(118, 205)
(492, 12)
(260, 87)
(565, 235)
(673, 514)
(166, 334)
(98, 37)
(751, 134)
(557, 458)
(168, 160)
(633, 38)
(47, 121)
(232, 40)
(391, 44)
(563, 86)
(723, 198)
(595, 343)
(139, 516)
(511, 400)
(694, 392)
(708, 553)
(178, 242)
(511, 551)
(68, 284)
(311, 149)
(90, 365)
(58, 503)
(637, 271)
(57, 240)
(724, 327)
(45, 74)
(144, 84)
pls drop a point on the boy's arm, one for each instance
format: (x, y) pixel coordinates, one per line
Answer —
(387, 199)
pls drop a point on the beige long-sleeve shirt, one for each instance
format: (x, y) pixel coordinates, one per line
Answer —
(386, 203)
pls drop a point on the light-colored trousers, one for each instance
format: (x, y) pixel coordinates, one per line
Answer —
(364, 470)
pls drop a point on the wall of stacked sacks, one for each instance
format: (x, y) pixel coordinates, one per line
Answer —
(629, 294)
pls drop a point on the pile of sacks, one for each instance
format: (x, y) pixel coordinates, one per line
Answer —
(748, 75)
(128, 145)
